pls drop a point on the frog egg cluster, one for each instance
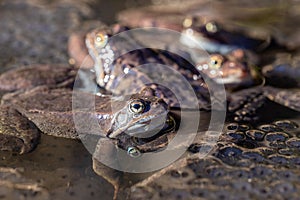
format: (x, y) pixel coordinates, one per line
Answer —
(248, 163)
(266, 144)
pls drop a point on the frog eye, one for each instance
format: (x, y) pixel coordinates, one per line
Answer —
(211, 27)
(101, 40)
(137, 107)
(216, 61)
(133, 152)
(187, 22)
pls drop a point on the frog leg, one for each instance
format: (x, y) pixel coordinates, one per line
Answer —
(286, 97)
(244, 104)
(99, 69)
(105, 150)
(17, 133)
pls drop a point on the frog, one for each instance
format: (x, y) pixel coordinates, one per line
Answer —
(28, 77)
(283, 70)
(113, 62)
(281, 85)
(134, 147)
(242, 151)
(257, 27)
(216, 33)
(49, 110)
(236, 69)
(218, 36)
(250, 87)
(111, 75)
(283, 78)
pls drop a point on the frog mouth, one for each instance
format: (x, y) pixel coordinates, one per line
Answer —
(148, 126)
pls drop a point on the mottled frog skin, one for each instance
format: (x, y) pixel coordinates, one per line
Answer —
(236, 69)
(113, 67)
(50, 111)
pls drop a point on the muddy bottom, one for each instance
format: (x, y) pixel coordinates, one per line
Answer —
(62, 167)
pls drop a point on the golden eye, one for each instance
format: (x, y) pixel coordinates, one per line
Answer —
(137, 107)
(216, 61)
(187, 22)
(211, 27)
(101, 40)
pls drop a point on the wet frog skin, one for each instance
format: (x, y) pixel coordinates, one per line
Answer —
(278, 82)
(111, 72)
(214, 37)
(27, 77)
(284, 71)
(49, 110)
(202, 21)
(25, 113)
(236, 69)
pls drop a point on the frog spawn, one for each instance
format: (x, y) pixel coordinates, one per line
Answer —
(241, 167)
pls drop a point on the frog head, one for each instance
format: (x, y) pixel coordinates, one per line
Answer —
(232, 69)
(97, 44)
(102, 51)
(142, 115)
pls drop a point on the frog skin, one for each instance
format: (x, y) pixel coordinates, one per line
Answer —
(27, 77)
(110, 72)
(236, 69)
(281, 86)
(284, 71)
(283, 78)
(49, 110)
(151, 17)
(19, 134)
(278, 82)
(238, 72)
(202, 20)
(214, 38)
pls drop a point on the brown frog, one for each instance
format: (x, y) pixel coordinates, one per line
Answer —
(202, 20)
(119, 67)
(50, 111)
(236, 69)
(281, 86)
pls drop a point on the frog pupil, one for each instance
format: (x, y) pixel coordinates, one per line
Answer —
(137, 106)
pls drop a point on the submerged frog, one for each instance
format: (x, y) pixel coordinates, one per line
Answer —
(50, 111)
